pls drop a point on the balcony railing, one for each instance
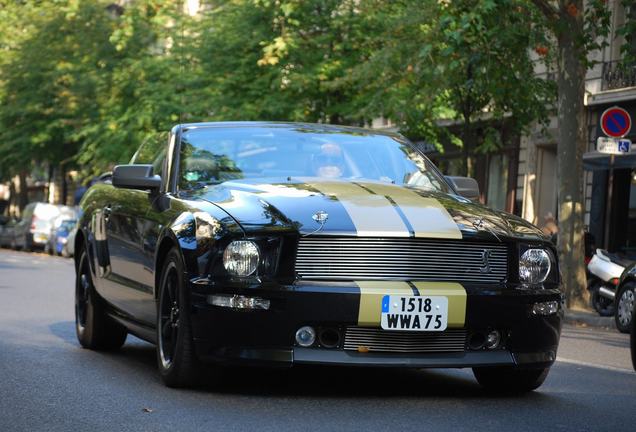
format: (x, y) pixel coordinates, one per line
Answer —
(618, 75)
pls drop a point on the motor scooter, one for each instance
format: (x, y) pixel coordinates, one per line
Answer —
(605, 270)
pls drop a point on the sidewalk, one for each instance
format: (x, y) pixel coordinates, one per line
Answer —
(585, 318)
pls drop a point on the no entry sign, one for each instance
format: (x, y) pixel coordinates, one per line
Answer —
(616, 122)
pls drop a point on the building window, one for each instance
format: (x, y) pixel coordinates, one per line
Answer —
(497, 182)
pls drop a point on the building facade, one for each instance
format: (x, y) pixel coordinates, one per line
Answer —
(610, 183)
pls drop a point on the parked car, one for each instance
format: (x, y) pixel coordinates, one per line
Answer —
(67, 213)
(7, 233)
(33, 229)
(58, 237)
(69, 247)
(625, 299)
(283, 244)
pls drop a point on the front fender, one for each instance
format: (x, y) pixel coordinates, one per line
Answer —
(200, 238)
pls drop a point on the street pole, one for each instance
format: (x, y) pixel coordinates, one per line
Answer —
(608, 203)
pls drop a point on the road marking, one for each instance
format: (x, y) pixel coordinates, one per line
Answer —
(598, 366)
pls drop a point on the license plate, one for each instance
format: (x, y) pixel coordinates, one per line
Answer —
(411, 313)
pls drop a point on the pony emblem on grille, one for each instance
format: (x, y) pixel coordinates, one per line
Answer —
(485, 261)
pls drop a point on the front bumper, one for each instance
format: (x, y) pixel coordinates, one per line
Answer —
(267, 336)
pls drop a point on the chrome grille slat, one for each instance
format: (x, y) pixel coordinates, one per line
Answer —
(351, 258)
(378, 340)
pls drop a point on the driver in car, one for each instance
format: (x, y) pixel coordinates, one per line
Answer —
(329, 163)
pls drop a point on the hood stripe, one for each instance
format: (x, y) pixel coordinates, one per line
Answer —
(397, 208)
(371, 293)
(372, 214)
(426, 216)
(416, 292)
(456, 295)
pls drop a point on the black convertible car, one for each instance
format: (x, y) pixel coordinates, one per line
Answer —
(282, 243)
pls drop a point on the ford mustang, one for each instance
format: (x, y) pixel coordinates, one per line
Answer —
(281, 243)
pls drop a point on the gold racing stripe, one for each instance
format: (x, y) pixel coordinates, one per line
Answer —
(371, 293)
(456, 295)
(372, 215)
(427, 217)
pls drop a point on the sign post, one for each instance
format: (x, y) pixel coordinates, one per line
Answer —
(616, 124)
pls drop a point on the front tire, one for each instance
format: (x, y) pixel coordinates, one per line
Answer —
(510, 379)
(625, 297)
(95, 330)
(176, 357)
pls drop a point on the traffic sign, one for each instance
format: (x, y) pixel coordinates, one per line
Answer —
(616, 122)
(613, 146)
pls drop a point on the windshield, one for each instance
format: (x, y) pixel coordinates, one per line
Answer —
(216, 154)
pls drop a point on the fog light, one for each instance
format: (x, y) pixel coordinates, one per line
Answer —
(238, 302)
(493, 339)
(545, 308)
(305, 336)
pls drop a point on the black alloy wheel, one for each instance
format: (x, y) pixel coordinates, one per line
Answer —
(169, 306)
(176, 358)
(632, 343)
(624, 304)
(94, 328)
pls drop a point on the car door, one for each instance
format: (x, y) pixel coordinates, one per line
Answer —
(128, 220)
(23, 227)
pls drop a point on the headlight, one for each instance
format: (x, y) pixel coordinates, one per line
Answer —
(534, 266)
(241, 258)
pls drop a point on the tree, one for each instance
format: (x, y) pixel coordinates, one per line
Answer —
(48, 82)
(424, 61)
(141, 91)
(278, 60)
(575, 31)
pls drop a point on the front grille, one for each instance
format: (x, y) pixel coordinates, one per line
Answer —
(360, 258)
(377, 340)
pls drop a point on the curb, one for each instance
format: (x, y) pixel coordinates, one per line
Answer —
(583, 318)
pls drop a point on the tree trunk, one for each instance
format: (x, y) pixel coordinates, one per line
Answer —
(467, 142)
(23, 193)
(50, 185)
(64, 185)
(571, 146)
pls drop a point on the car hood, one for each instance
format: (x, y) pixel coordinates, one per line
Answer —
(360, 207)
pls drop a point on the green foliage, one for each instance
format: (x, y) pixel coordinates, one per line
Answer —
(84, 82)
(628, 32)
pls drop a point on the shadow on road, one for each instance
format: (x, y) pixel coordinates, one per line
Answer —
(64, 330)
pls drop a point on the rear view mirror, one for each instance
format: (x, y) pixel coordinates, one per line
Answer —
(465, 186)
(136, 177)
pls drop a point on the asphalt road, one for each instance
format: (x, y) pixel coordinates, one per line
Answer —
(49, 383)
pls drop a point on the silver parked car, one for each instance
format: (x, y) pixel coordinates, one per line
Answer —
(33, 229)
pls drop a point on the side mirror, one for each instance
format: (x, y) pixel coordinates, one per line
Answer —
(465, 186)
(136, 177)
